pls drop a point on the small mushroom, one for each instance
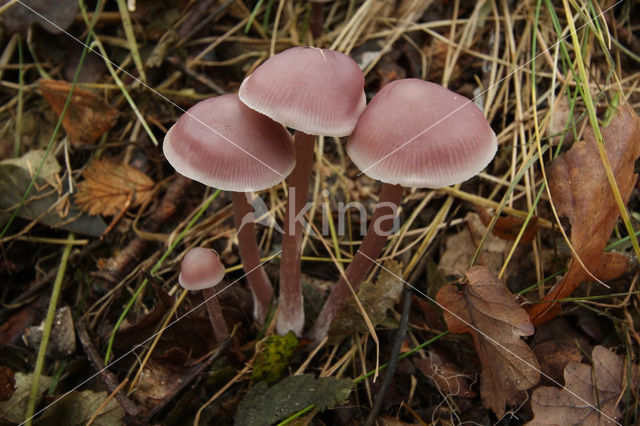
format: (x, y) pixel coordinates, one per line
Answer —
(223, 144)
(202, 270)
(316, 92)
(413, 133)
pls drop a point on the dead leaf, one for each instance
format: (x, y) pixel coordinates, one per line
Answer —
(554, 355)
(163, 376)
(265, 406)
(376, 299)
(7, 383)
(508, 227)
(445, 376)
(581, 193)
(87, 116)
(62, 340)
(30, 162)
(13, 409)
(461, 247)
(59, 15)
(77, 408)
(488, 311)
(41, 203)
(109, 186)
(574, 404)
(274, 356)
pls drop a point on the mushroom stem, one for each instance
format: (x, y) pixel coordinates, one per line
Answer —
(379, 229)
(291, 314)
(250, 257)
(218, 324)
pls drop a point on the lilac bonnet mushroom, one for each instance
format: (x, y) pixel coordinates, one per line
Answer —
(316, 92)
(223, 144)
(413, 133)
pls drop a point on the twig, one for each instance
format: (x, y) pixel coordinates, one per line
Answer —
(109, 379)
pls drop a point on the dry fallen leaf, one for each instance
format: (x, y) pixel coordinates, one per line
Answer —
(461, 247)
(108, 188)
(54, 17)
(590, 395)
(488, 311)
(446, 376)
(87, 116)
(581, 192)
(508, 227)
(376, 299)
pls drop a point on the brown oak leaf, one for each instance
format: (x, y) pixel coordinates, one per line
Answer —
(581, 193)
(589, 397)
(87, 116)
(486, 309)
(109, 188)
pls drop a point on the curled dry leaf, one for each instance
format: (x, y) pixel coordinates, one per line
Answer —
(447, 377)
(109, 188)
(581, 193)
(486, 309)
(590, 395)
(508, 227)
(87, 116)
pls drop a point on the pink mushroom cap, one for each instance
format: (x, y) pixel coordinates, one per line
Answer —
(418, 134)
(316, 91)
(222, 143)
(201, 268)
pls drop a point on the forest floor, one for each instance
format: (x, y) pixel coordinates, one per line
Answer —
(511, 298)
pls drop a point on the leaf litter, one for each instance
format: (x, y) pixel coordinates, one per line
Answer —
(486, 309)
(470, 47)
(581, 193)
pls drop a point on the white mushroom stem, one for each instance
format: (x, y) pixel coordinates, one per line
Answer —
(291, 313)
(250, 256)
(363, 261)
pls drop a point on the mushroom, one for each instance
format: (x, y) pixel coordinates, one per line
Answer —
(202, 270)
(316, 92)
(223, 144)
(413, 133)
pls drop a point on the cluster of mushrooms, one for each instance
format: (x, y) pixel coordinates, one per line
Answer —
(413, 133)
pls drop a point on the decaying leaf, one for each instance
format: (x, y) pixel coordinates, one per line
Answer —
(581, 193)
(554, 355)
(62, 339)
(7, 383)
(446, 376)
(109, 188)
(59, 15)
(590, 395)
(265, 406)
(14, 408)
(508, 227)
(163, 376)
(461, 247)
(274, 357)
(488, 311)
(376, 299)
(87, 116)
(31, 160)
(77, 408)
(43, 202)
